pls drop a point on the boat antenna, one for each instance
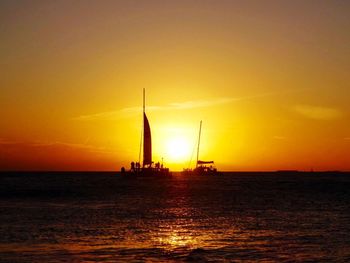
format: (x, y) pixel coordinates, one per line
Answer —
(199, 140)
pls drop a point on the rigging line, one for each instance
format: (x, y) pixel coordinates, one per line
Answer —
(199, 140)
(140, 146)
(193, 149)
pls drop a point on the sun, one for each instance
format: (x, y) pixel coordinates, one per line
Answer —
(178, 149)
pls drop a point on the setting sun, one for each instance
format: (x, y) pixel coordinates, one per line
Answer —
(178, 149)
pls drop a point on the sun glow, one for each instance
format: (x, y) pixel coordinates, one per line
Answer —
(178, 149)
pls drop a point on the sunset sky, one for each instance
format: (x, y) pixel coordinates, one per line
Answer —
(269, 79)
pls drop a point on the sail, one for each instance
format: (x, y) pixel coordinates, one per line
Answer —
(147, 142)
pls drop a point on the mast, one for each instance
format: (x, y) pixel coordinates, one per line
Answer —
(199, 140)
(144, 99)
(143, 123)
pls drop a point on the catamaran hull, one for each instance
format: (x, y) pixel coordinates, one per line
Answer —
(148, 172)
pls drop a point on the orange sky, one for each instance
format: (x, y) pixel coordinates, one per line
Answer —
(269, 79)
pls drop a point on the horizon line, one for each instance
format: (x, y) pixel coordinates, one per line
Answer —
(178, 171)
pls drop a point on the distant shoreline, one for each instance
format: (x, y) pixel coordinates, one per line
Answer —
(278, 172)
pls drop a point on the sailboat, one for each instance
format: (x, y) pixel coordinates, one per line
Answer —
(148, 167)
(202, 167)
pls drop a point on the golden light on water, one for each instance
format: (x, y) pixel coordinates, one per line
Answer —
(178, 237)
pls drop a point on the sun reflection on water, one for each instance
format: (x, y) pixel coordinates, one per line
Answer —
(177, 237)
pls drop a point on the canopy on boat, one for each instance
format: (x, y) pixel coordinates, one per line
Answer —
(204, 162)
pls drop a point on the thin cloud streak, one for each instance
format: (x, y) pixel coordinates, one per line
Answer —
(77, 146)
(129, 111)
(317, 112)
(8, 142)
(186, 105)
(276, 137)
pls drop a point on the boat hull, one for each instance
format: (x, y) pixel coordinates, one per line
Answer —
(148, 172)
(200, 171)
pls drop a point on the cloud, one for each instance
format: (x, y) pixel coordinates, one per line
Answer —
(201, 103)
(317, 112)
(40, 144)
(186, 105)
(7, 142)
(276, 137)
(86, 147)
(129, 111)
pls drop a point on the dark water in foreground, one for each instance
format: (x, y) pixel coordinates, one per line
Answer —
(75, 217)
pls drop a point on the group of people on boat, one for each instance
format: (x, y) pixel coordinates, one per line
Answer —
(136, 166)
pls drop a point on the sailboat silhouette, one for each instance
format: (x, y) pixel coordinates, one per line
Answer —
(201, 166)
(148, 167)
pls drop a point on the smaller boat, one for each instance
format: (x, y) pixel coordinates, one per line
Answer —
(202, 167)
(148, 168)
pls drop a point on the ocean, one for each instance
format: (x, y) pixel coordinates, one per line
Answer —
(105, 217)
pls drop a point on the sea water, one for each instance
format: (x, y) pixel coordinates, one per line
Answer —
(105, 217)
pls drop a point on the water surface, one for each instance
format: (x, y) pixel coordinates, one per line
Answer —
(75, 217)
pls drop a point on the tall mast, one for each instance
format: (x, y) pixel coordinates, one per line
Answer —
(143, 123)
(144, 99)
(199, 140)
